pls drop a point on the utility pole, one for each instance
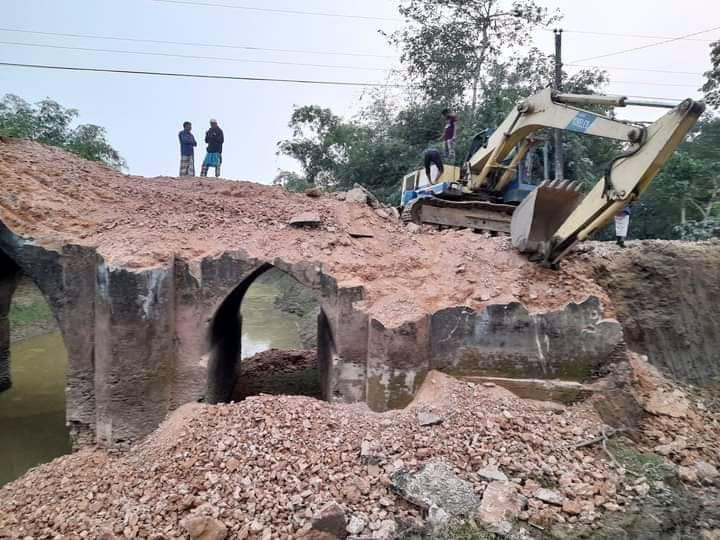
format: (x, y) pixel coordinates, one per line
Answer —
(559, 161)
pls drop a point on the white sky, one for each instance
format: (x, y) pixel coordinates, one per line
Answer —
(144, 114)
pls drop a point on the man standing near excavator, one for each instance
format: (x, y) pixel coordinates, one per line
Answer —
(449, 133)
(214, 139)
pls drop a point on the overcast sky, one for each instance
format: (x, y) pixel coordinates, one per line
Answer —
(143, 114)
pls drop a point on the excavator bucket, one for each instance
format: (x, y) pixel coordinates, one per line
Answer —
(541, 213)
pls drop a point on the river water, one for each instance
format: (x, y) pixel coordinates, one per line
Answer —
(32, 412)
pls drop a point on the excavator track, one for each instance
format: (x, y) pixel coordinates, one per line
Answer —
(476, 215)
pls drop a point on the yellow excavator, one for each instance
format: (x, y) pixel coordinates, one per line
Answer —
(546, 220)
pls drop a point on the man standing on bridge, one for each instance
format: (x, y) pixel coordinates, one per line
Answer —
(214, 139)
(187, 150)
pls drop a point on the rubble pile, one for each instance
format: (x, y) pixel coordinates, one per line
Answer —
(269, 466)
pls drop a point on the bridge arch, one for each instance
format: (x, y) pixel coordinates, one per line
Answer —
(225, 338)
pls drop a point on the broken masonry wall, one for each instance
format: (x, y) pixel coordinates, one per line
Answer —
(397, 361)
(572, 343)
(134, 350)
(66, 279)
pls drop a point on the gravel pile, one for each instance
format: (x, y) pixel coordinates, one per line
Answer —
(264, 467)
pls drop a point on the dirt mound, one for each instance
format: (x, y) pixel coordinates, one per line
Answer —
(56, 198)
(277, 372)
(266, 465)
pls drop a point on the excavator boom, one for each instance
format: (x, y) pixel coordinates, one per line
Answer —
(553, 216)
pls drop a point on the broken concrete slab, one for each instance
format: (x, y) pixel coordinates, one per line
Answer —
(429, 419)
(706, 472)
(566, 392)
(500, 506)
(549, 496)
(360, 232)
(436, 484)
(356, 195)
(672, 403)
(311, 219)
(331, 519)
(492, 473)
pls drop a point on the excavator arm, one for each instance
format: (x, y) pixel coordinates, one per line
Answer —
(556, 215)
(543, 110)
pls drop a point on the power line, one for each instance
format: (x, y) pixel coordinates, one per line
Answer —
(195, 57)
(670, 40)
(637, 69)
(192, 43)
(640, 36)
(240, 78)
(272, 10)
(611, 81)
(201, 76)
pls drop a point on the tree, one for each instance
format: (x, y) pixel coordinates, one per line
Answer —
(448, 45)
(712, 86)
(50, 123)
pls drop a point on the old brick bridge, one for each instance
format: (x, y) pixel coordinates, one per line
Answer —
(145, 278)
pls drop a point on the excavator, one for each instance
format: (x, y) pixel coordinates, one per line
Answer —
(546, 220)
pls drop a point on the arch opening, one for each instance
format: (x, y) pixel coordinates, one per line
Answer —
(33, 366)
(265, 338)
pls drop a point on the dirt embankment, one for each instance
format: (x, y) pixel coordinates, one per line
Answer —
(667, 297)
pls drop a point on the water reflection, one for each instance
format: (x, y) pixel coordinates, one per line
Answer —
(264, 325)
(32, 412)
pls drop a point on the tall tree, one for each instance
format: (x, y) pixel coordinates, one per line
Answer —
(712, 85)
(50, 123)
(447, 45)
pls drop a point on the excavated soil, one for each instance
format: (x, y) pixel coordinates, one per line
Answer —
(56, 198)
(265, 466)
(667, 297)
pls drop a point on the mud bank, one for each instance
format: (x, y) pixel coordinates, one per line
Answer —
(667, 298)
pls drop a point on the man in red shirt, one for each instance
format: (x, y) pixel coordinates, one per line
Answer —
(449, 132)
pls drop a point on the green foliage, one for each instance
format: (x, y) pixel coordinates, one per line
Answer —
(449, 46)
(49, 122)
(467, 530)
(712, 85)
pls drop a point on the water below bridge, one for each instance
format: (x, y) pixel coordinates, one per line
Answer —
(32, 412)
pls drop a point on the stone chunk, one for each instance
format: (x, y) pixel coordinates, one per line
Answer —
(356, 195)
(492, 474)
(436, 484)
(687, 474)
(313, 192)
(706, 472)
(204, 528)
(666, 403)
(501, 504)
(356, 525)
(429, 419)
(360, 232)
(311, 219)
(331, 519)
(549, 496)
(413, 228)
(369, 453)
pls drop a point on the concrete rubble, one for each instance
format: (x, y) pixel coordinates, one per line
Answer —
(293, 467)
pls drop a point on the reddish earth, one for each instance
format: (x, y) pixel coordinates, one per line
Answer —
(56, 198)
